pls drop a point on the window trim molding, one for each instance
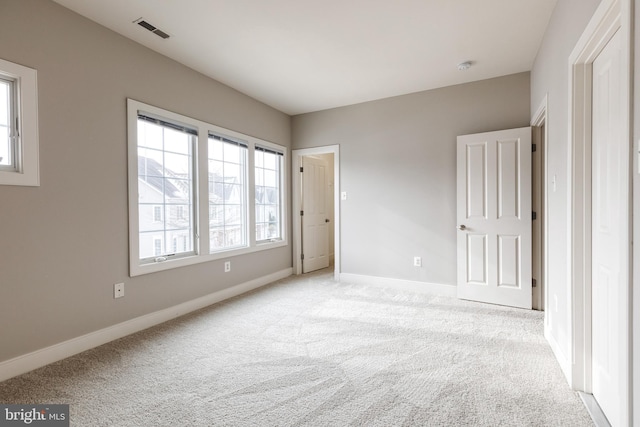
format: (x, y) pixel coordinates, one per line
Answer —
(27, 171)
(201, 205)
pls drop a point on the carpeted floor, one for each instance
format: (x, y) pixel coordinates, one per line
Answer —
(308, 351)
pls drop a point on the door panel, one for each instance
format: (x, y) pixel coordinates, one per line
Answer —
(508, 175)
(476, 188)
(508, 261)
(477, 259)
(494, 217)
(610, 230)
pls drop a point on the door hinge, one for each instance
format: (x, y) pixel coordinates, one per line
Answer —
(302, 257)
(534, 147)
(534, 216)
(301, 213)
(301, 169)
(534, 282)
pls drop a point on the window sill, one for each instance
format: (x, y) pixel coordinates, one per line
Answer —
(141, 269)
(17, 178)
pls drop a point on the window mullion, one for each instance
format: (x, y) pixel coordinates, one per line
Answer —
(202, 221)
(251, 196)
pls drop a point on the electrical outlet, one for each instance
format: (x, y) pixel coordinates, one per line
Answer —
(227, 266)
(417, 261)
(118, 290)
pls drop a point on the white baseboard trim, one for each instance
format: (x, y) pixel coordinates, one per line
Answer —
(564, 363)
(405, 285)
(30, 361)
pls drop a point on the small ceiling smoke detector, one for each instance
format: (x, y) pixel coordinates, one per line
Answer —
(463, 66)
(153, 29)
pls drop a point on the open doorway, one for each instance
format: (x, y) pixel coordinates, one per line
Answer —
(316, 208)
(316, 212)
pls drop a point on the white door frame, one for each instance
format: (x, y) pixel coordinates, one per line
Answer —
(610, 17)
(296, 160)
(539, 119)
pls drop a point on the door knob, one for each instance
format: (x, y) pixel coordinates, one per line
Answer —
(462, 227)
(327, 220)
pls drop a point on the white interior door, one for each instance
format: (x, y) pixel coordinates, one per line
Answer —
(494, 217)
(610, 231)
(315, 218)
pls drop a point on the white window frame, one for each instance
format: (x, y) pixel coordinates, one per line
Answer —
(244, 196)
(27, 170)
(166, 209)
(201, 202)
(281, 159)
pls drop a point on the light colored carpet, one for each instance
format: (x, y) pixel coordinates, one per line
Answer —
(308, 351)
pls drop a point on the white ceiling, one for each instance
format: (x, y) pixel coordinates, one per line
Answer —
(301, 55)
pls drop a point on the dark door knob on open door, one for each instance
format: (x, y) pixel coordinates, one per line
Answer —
(462, 227)
(327, 220)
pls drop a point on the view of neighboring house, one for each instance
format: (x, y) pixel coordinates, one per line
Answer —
(165, 218)
(165, 215)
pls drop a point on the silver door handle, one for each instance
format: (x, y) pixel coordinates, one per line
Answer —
(462, 227)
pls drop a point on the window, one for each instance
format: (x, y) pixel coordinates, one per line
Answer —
(7, 122)
(18, 125)
(189, 179)
(227, 193)
(268, 175)
(165, 185)
(157, 213)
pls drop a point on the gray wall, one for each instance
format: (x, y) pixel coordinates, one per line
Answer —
(550, 75)
(398, 166)
(65, 243)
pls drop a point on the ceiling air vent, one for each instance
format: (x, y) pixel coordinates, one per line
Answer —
(151, 28)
